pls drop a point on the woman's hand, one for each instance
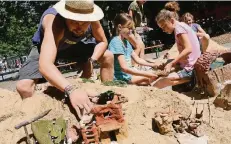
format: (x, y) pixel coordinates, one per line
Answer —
(168, 67)
(158, 65)
(80, 101)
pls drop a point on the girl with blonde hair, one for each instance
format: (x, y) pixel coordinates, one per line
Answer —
(201, 34)
(187, 45)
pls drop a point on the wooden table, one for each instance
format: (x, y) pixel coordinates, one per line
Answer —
(157, 49)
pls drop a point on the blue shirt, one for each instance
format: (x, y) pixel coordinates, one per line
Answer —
(195, 27)
(117, 47)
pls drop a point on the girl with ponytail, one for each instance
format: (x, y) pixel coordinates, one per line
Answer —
(187, 45)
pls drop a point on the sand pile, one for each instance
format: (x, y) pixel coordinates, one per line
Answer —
(139, 111)
(213, 46)
(173, 52)
(14, 110)
(222, 39)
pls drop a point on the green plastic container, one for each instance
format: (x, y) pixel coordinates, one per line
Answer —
(217, 64)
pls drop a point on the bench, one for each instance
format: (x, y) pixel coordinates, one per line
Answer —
(6, 73)
(14, 71)
(68, 64)
(157, 49)
(66, 67)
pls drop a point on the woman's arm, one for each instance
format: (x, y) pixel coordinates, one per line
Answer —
(186, 44)
(202, 33)
(131, 71)
(100, 37)
(52, 32)
(141, 61)
(183, 38)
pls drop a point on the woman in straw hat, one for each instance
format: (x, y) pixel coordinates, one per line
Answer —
(68, 30)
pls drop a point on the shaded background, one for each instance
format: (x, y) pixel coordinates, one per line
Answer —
(19, 20)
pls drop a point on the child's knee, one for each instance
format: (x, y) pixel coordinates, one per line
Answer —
(25, 88)
(206, 37)
(173, 76)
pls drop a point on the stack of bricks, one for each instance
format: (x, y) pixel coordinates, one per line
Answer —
(210, 80)
(108, 118)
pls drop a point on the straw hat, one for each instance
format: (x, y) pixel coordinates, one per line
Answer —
(79, 10)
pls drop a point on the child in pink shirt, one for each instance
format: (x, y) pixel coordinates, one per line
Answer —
(187, 44)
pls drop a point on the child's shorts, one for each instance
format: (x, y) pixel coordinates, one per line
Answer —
(125, 77)
(185, 74)
(188, 86)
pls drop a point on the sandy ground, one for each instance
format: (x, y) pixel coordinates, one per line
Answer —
(139, 111)
(222, 39)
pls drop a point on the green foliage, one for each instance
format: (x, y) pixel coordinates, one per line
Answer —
(87, 80)
(19, 20)
(106, 96)
(108, 93)
(118, 83)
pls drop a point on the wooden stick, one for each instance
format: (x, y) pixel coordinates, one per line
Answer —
(209, 125)
(196, 108)
(203, 103)
(155, 46)
(209, 111)
(27, 135)
(191, 109)
(24, 123)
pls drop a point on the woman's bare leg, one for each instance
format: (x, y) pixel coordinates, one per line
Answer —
(140, 80)
(171, 80)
